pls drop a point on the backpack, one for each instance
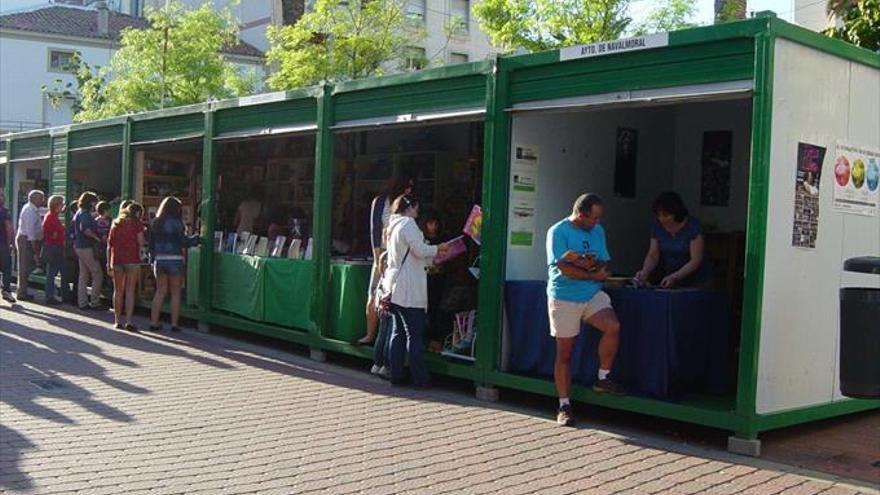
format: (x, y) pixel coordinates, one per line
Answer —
(70, 229)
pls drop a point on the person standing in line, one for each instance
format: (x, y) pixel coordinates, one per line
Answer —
(86, 240)
(577, 260)
(6, 237)
(70, 270)
(27, 242)
(168, 241)
(124, 258)
(406, 281)
(53, 246)
(380, 213)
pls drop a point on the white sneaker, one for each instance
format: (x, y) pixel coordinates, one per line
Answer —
(375, 369)
(384, 372)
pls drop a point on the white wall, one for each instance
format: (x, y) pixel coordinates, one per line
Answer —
(577, 155)
(800, 327)
(24, 64)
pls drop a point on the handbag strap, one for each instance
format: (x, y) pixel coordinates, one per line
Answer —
(396, 275)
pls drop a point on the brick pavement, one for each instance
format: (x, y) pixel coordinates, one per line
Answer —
(200, 414)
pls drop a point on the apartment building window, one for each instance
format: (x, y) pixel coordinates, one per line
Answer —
(458, 58)
(61, 60)
(415, 10)
(462, 10)
(416, 58)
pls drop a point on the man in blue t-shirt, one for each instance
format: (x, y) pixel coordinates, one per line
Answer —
(577, 260)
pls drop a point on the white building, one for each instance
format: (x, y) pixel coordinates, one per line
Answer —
(469, 44)
(36, 45)
(811, 14)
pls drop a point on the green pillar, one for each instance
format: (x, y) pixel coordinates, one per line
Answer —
(323, 212)
(127, 172)
(494, 203)
(206, 214)
(756, 235)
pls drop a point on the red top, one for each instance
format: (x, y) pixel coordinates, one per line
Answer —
(123, 242)
(53, 231)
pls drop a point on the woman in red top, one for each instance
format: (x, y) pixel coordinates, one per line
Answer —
(53, 246)
(124, 260)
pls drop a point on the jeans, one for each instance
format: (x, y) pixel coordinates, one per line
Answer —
(6, 268)
(25, 264)
(407, 337)
(89, 268)
(53, 256)
(383, 339)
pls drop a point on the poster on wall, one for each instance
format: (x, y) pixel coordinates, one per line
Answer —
(856, 180)
(625, 162)
(523, 196)
(805, 228)
(715, 168)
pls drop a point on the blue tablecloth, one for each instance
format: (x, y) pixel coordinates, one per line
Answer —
(672, 342)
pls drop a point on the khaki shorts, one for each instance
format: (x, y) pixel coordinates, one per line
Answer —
(566, 317)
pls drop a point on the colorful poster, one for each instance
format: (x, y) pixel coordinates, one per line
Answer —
(473, 227)
(805, 228)
(856, 180)
(715, 171)
(625, 162)
(523, 196)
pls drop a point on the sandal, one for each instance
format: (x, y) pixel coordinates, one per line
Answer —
(156, 328)
(130, 327)
(365, 341)
(119, 326)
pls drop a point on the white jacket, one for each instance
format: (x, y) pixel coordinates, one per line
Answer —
(410, 282)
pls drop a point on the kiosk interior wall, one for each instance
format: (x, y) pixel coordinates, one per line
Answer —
(97, 170)
(26, 176)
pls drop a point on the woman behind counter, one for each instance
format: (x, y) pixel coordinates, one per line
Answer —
(677, 246)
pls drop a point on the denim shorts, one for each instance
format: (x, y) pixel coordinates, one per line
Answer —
(168, 267)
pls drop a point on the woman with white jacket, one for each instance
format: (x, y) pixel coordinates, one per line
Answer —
(405, 278)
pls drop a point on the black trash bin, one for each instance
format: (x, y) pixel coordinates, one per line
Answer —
(860, 333)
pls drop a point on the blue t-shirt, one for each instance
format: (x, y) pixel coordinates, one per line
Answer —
(565, 236)
(675, 250)
(4, 216)
(84, 222)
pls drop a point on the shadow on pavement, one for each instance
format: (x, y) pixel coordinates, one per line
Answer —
(11, 476)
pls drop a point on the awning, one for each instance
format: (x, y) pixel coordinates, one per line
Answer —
(175, 139)
(643, 97)
(446, 116)
(265, 132)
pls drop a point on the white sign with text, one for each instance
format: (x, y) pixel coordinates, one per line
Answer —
(617, 46)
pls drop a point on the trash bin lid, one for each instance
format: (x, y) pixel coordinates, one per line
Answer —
(863, 264)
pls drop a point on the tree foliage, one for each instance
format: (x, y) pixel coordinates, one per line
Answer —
(861, 22)
(536, 25)
(671, 16)
(177, 61)
(340, 40)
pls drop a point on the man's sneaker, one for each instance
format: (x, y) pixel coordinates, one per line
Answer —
(375, 369)
(385, 372)
(564, 416)
(609, 386)
(7, 296)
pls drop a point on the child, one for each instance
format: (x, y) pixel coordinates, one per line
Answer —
(439, 322)
(103, 222)
(381, 366)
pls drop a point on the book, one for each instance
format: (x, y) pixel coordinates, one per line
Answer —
(218, 241)
(262, 247)
(473, 227)
(231, 242)
(251, 245)
(243, 239)
(457, 247)
(278, 246)
(293, 250)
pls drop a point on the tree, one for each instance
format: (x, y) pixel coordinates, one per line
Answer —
(536, 25)
(672, 16)
(339, 40)
(729, 10)
(177, 61)
(861, 22)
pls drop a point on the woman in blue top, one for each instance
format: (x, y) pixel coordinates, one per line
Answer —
(168, 240)
(677, 246)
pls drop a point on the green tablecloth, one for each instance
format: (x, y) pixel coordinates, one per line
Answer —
(348, 300)
(192, 277)
(239, 285)
(287, 292)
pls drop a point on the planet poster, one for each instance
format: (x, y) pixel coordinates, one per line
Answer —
(715, 168)
(805, 226)
(856, 180)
